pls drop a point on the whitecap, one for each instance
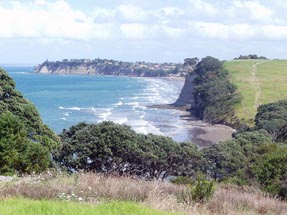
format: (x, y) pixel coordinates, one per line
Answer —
(69, 108)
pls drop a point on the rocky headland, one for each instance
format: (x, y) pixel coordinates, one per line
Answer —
(111, 67)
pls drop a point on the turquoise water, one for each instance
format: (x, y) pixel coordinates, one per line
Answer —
(64, 100)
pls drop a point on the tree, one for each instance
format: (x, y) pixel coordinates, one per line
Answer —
(17, 152)
(273, 118)
(271, 171)
(116, 149)
(223, 160)
(12, 101)
(214, 95)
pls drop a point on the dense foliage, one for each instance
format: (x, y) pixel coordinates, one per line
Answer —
(226, 158)
(271, 171)
(12, 101)
(18, 153)
(215, 96)
(116, 149)
(273, 118)
(25, 141)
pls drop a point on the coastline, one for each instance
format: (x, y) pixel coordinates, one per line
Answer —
(204, 134)
(201, 133)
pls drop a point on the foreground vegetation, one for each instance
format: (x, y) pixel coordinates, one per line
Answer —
(268, 83)
(100, 190)
(22, 206)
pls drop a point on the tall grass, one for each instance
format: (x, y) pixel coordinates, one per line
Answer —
(94, 189)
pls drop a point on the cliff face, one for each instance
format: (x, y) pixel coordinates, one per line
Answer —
(186, 96)
(110, 67)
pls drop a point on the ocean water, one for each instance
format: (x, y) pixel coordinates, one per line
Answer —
(65, 100)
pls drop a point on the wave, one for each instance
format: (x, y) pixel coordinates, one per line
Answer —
(66, 114)
(118, 103)
(69, 108)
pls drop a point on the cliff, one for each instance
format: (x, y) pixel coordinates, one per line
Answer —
(186, 97)
(110, 67)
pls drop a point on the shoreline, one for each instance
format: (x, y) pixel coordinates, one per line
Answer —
(202, 134)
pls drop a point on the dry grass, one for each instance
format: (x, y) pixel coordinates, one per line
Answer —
(93, 188)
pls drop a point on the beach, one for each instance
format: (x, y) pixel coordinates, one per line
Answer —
(201, 133)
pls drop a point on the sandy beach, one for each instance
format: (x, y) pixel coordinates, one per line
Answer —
(204, 134)
(201, 133)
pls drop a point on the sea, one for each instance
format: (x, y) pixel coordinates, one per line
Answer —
(65, 100)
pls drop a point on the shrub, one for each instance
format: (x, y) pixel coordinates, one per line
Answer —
(199, 191)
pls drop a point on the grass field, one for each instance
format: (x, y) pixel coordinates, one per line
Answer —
(22, 206)
(259, 82)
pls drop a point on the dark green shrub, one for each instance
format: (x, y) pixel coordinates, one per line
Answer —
(199, 191)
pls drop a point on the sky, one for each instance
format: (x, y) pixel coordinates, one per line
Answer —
(32, 31)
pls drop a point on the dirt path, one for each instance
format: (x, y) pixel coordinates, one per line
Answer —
(256, 83)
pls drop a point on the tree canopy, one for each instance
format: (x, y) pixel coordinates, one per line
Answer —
(273, 118)
(117, 149)
(25, 141)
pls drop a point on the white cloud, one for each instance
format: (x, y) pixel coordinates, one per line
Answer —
(44, 19)
(203, 7)
(275, 31)
(132, 13)
(253, 9)
(240, 20)
(103, 14)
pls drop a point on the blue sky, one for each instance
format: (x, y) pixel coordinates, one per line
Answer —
(32, 31)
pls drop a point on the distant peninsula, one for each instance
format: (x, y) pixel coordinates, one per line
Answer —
(113, 67)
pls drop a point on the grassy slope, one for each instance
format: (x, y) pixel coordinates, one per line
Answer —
(270, 78)
(47, 207)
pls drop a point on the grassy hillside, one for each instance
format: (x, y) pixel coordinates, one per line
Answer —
(259, 82)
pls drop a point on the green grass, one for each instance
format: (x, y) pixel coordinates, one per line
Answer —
(22, 206)
(271, 77)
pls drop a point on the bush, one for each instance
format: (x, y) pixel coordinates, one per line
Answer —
(199, 191)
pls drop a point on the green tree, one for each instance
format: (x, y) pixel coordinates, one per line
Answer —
(273, 118)
(271, 171)
(17, 152)
(11, 100)
(214, 95)
(116, 149)
(223, 160)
